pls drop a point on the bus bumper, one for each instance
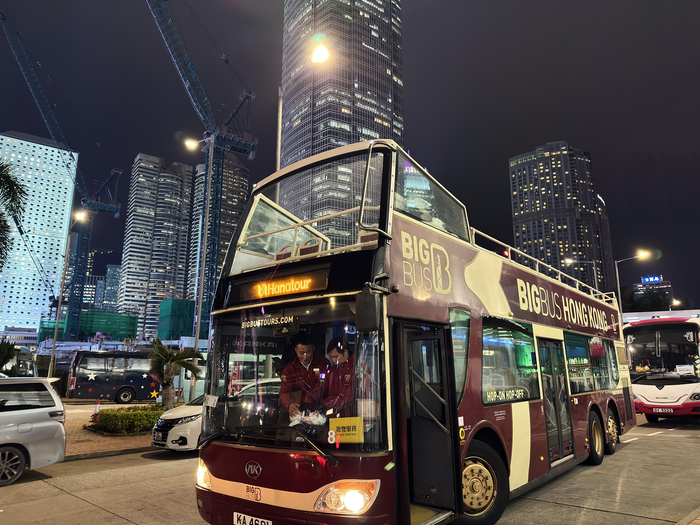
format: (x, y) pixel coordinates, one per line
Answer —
(219, 508)
(691, 408)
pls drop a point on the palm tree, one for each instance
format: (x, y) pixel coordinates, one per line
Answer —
(13, 196)
(166, 363)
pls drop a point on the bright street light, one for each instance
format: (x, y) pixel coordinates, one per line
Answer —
(320, 54)
(192, 144)
(640, 255)
(79, 217)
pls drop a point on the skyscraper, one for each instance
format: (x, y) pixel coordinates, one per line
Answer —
(231, 201)
(557, 214)
(154, 261)
(354, 95)
(111, 300)
(47, 171)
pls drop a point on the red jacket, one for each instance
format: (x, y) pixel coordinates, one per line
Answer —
(336, 389)
(297, 381)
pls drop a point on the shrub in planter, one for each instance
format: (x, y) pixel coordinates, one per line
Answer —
(129, 420)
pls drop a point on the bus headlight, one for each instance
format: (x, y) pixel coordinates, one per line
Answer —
(203, 476)
(695, 396)
(352, 496)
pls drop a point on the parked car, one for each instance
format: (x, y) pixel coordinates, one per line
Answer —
(32, 433)
(179, 428)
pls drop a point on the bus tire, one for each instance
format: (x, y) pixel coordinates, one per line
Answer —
(125, 395)
(651, 419)
(12, 463)
(613, 433)
(485, 485)
(596, 439)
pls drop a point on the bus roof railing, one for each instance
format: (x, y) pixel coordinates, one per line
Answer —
(545, 269)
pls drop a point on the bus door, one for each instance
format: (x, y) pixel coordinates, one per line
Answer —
(431, 465)
(556, 400)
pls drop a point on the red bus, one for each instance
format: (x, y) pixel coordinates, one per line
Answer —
(664, 366)
(460, 378)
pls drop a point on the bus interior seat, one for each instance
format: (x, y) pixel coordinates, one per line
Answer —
(310, 246)
(367, 237)
(284, 252)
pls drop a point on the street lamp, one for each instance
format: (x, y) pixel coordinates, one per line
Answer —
(640, 255)
(595, 271)
(79, 216)
(192, 144)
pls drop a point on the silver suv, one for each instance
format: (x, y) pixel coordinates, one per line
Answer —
(32, 432)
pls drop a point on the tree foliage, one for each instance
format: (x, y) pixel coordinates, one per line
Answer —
(13, 197)
(7, 352)
(166, 363)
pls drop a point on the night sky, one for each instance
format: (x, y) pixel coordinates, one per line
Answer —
(483, 81)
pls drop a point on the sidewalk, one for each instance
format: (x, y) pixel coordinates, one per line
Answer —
(82, 443)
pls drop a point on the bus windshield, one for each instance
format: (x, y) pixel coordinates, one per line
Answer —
(300, 369)
(668, 355)
(313, 212)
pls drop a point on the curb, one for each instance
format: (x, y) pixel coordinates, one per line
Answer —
(106, 453)
(690, 519)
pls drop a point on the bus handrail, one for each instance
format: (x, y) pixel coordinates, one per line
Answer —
(606, 297)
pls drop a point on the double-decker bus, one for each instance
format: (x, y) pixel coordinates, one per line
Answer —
(664, 366)
(472, 378)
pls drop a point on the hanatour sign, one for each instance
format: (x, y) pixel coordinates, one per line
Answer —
(307, 282)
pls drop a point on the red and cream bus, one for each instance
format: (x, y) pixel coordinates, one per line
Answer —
(474, 378)
(664, 366)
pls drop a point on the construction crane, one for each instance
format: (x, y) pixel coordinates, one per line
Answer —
(92, 203)
(234, 135)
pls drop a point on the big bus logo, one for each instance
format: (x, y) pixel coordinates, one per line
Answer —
(425, 265)
(253, 469)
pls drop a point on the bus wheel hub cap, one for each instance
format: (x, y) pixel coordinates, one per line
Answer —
(478, 488)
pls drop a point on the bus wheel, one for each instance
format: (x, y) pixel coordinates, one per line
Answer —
(595, 439)
(651, 419)
(12, 463)
(125, 395)
(485, 489)
(613, 433)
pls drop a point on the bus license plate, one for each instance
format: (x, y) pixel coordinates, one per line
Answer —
(159, 436)
(663, 410)
(244, 519)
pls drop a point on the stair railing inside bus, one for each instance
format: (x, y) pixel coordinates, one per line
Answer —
(366, 227)
(540, 267)
(295, 255)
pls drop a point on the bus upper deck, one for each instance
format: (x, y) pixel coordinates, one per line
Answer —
(375, 361)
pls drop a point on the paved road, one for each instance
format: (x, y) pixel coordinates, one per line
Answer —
(651, 480)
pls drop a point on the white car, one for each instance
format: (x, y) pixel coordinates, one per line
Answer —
(179, 428)
(32, 433)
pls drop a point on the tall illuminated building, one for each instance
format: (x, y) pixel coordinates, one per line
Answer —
(356, 94)
(47, 170)
(154, 260)
(230, 200)
(112, 278)
(557, 214)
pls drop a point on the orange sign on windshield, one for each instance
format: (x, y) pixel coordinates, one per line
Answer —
(284, 286)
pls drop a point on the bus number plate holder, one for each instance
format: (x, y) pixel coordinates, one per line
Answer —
(663, 410)
(244, 519)
(159, 436)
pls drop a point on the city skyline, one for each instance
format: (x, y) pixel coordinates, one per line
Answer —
(492, 81)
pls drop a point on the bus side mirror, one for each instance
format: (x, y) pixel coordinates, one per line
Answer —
(367, 311)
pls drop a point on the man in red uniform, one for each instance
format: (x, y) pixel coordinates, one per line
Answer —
(335, 390)
(301, 375)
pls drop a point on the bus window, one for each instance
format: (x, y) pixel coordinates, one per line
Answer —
(419, 197)
(604, 362)
(93, 363)
(509, 363)
(459, 323)
(116, 364)
(579, 363)
(138, 365)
